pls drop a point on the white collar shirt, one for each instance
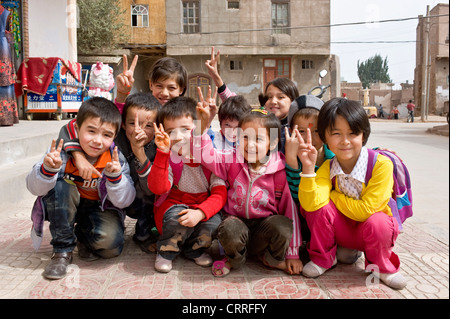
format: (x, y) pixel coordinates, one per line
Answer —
(351, 184)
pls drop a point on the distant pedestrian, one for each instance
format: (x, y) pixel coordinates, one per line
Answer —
(395, 111)
(411, 108)
(380, 112)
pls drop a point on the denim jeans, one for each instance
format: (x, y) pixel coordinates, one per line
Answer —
(193, 241)
(142, 211)
(73, 218)
(268, 237)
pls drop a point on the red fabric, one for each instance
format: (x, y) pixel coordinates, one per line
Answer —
(35, 74)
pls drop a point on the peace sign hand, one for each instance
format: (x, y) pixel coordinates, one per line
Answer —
(213, 71)
(306, 152)
(162, 139)
(114, 166)
(125, 80)
(53, 158)
(206, 109)
(138, 136)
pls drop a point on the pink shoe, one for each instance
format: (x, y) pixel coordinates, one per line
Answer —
(220, 268)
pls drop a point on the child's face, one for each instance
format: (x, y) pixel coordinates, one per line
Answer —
(303, 124)
(179, 131)
(344, 143)
(254, 143)
(229, 129)
(95, 137)
(144, 116)
(278, 102)
(164, 90)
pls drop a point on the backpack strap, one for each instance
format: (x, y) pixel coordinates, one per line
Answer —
(373, 154)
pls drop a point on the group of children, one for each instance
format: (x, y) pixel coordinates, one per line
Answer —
(272, 181)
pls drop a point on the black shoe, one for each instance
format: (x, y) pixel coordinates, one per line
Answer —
(85, 253)
(57, 268)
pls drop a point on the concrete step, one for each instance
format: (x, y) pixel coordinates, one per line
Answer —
(21, 146)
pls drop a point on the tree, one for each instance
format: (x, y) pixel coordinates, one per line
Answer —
(100, 25)
(373, 70)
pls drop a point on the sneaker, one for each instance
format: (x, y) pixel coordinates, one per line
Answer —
(312, 270)
(204, 260)
(395, 280)
(162, 264)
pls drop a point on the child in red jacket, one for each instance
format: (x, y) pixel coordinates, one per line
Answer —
(186, 216)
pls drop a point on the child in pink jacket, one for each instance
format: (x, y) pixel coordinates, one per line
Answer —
(260, 217)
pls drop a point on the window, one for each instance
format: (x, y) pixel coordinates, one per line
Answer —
(235, 65)
(307, 64)
(233, 4)
(201, 80)
(276, 68)
(139, 16)
(191, 16)
(280, 16)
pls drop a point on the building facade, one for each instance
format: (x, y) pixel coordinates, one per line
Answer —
(258, 41)
(431, 78)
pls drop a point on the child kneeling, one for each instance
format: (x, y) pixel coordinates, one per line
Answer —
(186, 216)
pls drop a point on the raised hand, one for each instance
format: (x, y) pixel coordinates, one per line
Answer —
(162, 139)
(206, 108)
(306, 152)
(213, 71)
(125, 80)
(291, 147)
(53, 158)
(138, 137)
(114, 166)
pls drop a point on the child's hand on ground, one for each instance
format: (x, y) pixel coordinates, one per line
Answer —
(190, 217)
(114, 166)
(294, 266)
(162, 139)
(53, 158)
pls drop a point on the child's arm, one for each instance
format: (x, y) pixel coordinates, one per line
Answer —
(375, 196)
(213, 71)
(68, 133)
(44, 173)
(158, 179)
(125, 80)
(211, 206)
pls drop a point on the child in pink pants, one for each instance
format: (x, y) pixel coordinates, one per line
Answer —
(339, 207)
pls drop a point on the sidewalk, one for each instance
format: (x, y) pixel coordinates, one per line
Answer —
(424, 261)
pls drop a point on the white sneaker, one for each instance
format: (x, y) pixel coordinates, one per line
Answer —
(162, 264)
(204, 260)
(312, 270)
(395, 280)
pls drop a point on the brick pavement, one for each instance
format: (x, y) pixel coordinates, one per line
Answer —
(424, 259)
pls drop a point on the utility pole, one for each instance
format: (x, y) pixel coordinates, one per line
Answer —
(424, 106)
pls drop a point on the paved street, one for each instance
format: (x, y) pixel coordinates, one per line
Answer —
(422, 247)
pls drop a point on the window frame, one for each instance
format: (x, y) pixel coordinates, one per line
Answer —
(285, 28)
(191, 28)
(139, 15)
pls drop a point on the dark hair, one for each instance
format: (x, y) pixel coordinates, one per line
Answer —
(306, 112)
(350, 110)
(178, 107)
(166, 68)
(268, 120)
(286, 86)
(102, 108)
(233, 108)
(143, 101)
